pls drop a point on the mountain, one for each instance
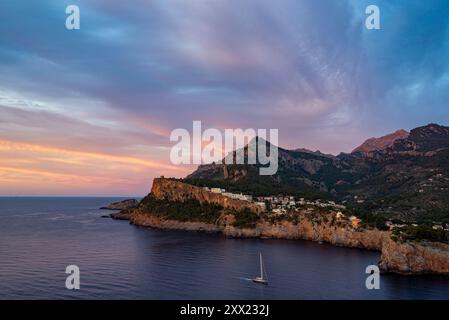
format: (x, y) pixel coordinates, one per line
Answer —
(409, 179)
(432, 137)
(382, 143)
(402, 175)
(300, 172)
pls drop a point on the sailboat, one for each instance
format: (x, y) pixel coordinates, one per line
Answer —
(263, 278)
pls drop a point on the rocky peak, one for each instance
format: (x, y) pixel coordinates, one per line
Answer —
(382, 143)
(432, 137)
(430, 131)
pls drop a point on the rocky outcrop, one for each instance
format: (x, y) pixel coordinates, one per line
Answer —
(178, 191)
(153, 221)
(325, 232)
(122, 205)
(305, 229)
(414, 258)
(404, 258)
(121, 216)
(382, 143)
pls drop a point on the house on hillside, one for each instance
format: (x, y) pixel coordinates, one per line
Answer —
(339, 215)
(355, 222)
(217, 190)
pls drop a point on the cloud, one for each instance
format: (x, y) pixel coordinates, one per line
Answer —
(134, 72)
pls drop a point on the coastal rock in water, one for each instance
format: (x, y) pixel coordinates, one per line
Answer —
(121, 216)
(415, 258)
(122, 205)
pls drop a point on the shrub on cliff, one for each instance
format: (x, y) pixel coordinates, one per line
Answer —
(256, 185)
(369, 219)
(420, 233)
(245, 219)
(188, 210)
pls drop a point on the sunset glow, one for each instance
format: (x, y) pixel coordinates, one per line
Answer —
(90, 111)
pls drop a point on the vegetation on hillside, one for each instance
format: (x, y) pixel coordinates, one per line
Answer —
(259, 186)
(369, 219)
(188, 210)
(245, 219)
(420, 233)
(408, 181)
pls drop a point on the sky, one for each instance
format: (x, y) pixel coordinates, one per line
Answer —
(90, 111)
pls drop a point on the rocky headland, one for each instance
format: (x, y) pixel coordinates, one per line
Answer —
(122, 205)
(164, 208)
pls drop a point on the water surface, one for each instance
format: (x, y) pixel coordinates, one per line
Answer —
(39, 237)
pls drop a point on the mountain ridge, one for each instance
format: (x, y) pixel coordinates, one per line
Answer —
(381, 143)
(407, 178)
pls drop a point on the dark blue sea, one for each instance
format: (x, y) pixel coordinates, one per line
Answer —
(39, 237)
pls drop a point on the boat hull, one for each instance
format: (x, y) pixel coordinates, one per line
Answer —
(261, 281)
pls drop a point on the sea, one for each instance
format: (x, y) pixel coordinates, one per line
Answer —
(41, 236)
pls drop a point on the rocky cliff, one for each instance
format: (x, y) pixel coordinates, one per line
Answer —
(404, 258)
(122, 205)
(304, 229)
(178, 191)
(414, 258)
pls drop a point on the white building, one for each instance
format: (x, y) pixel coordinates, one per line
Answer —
(278, 211)
(339, 215)
(240, 196)
(262, 205)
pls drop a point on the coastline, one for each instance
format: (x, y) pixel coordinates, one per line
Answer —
(406, 258)
(402, 258)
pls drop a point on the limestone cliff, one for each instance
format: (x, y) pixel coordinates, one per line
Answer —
(405, 258)
(414, 258)
(304, 228)
(178, 191)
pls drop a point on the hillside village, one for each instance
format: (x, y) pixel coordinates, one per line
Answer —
(282, 205)
(278, 206)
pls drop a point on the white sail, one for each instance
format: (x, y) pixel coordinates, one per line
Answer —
(263, 278)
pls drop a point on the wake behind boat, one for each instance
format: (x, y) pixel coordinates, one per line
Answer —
(263, 278)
